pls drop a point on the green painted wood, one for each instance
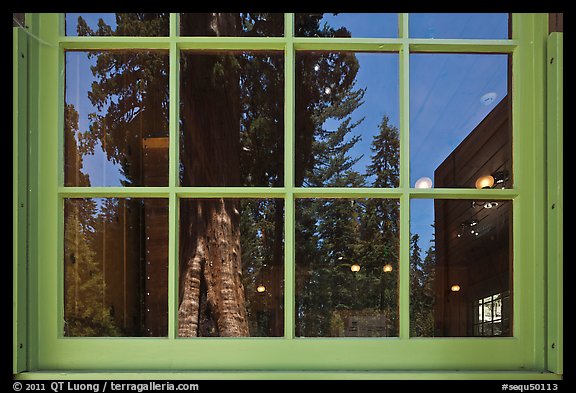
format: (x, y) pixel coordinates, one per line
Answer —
(19, 200)
(524, 351)
(197, 377)
(555, 203)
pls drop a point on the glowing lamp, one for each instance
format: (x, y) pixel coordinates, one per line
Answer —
(423, 182)
(355, 268)
(261, 289)
(484, 182)
(455, 288)
(387, 268)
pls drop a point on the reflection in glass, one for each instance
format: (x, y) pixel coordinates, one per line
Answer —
(222, 24)
(367, 25)
(231, 268)
(460, 268)
(347, 120)
(459, 25)
(115, 267)
(232, 119)
(118, 24)
(116, 118)
(492, 315)
(460, 119)
(347, 267)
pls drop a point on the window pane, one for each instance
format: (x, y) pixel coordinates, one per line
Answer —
(459, 25)
(368, 25)
(116, 118)
(243, 24)
(347, 120)
(231, 268)
(460, 120)
(347, 267)
(460, 256)
(120, 24)
(232, 119)
(115, 267)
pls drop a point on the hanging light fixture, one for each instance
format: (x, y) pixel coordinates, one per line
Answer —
(469, 227)
(261, 288)
(355, 268)
(387, 268)
(484, 204)
(455, 288)
(496, 179)
(500, 178)
(485, 182)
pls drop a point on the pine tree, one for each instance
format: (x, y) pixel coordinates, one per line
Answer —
(380, 232)
(421, 290)
(85, 312)
(384, 169)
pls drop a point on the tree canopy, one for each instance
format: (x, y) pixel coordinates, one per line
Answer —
(232, 120)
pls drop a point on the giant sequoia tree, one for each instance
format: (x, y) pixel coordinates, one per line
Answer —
(231, 131)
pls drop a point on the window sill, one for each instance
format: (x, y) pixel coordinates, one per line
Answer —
(291, 375)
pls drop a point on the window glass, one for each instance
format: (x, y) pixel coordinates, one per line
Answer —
(231, 268)
(460, 256)
(347, 267)
(120, 24)
(367, 25)
(232, 119)
(116, 118)
(460, 120)
(115, 267)
(347, 120)
(243, 24)
(459, 25)
(229, 279)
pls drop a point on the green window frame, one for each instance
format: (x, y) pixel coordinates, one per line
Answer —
(533, 351)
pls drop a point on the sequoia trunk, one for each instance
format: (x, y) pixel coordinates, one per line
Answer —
(213, 301)
(211, 291)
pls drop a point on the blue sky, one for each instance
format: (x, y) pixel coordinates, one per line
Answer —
(447, 92)
(102, 172)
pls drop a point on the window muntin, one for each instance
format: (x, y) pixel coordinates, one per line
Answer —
(363, 355)
(231, 111)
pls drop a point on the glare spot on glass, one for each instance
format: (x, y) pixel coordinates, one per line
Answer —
(355, 268)
(423, 182)
(328, 90)
(488, 98)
